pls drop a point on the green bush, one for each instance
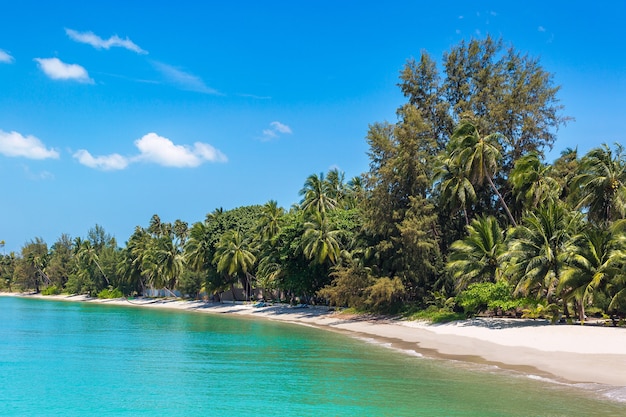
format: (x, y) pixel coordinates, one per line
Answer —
(110, 293)
(484, 296)
(51, 290)
(435, 314)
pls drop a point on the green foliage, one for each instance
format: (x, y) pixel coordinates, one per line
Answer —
(349, 287)
(476, 258)
(190, 283)
(436, 315)
(51, 290)
(480, 297)
(542, 310)
(110, 293)
(385, 295)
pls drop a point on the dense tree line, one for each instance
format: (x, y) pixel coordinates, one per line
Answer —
(459, 210)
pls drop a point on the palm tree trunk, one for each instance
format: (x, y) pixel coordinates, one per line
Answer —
(506, 208)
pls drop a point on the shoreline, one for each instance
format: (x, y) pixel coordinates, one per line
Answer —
(571, 354)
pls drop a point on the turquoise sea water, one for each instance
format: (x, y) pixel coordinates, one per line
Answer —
(78, 359)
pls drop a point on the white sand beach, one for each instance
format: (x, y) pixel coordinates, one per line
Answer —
(567, 353)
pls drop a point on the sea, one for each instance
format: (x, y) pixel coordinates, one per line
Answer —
(85, 359)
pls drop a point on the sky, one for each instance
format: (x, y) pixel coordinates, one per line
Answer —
(113, 111)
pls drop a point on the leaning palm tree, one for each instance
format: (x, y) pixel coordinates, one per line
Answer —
(235, 259)
(602, 184)
(320, 241)
(477, 258)
(479, 156)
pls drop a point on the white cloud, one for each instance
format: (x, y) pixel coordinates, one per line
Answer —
(162, 151)
(14, 144)
(5, 57)
(58, 70)
(97, 42)
(276, 128)
(183, 80)
(111, 162)
(541, 29)
(155, 149)
(281, 128)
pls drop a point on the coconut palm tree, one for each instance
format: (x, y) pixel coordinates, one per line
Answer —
(268, 225)
(479, 156)
(335, 185)
(316, 196)
(320, 241)
(86, 253)
(235, 259)
(536, 249)
(456, 189)
(354, 192)
(532, 182)
(594, 258)
(477, 258)
(167, 261)
(199, 249)
(602, 184)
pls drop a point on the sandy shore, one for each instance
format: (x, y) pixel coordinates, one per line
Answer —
(567, 353)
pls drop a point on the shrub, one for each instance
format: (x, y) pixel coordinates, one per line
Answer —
(110, 293)
(484, 296)
(51, 290)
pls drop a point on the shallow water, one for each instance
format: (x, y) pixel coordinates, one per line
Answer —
(72, 359)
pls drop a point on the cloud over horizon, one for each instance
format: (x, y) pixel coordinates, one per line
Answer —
(97, 42)
(275, 130)
(56, 69)
(5, 57)
(182, 79)
(13, 144)
(154, 149)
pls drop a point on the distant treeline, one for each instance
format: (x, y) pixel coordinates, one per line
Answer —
(458, 213)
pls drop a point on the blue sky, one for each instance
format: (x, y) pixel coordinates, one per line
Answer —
(113, 112)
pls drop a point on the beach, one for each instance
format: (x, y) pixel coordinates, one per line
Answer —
(562, 353)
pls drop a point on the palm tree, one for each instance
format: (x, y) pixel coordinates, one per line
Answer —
(354, 192)
(199, 249)
(479, 157)
(456, 188)
(532, 182)
(477, 258)
(315, 195)
(594, 258)
(602, 184)
(234, 258)
(181, 232)
(268, 225)
(320, 241)
(87, 254)
(335, 185)
(536, 249)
